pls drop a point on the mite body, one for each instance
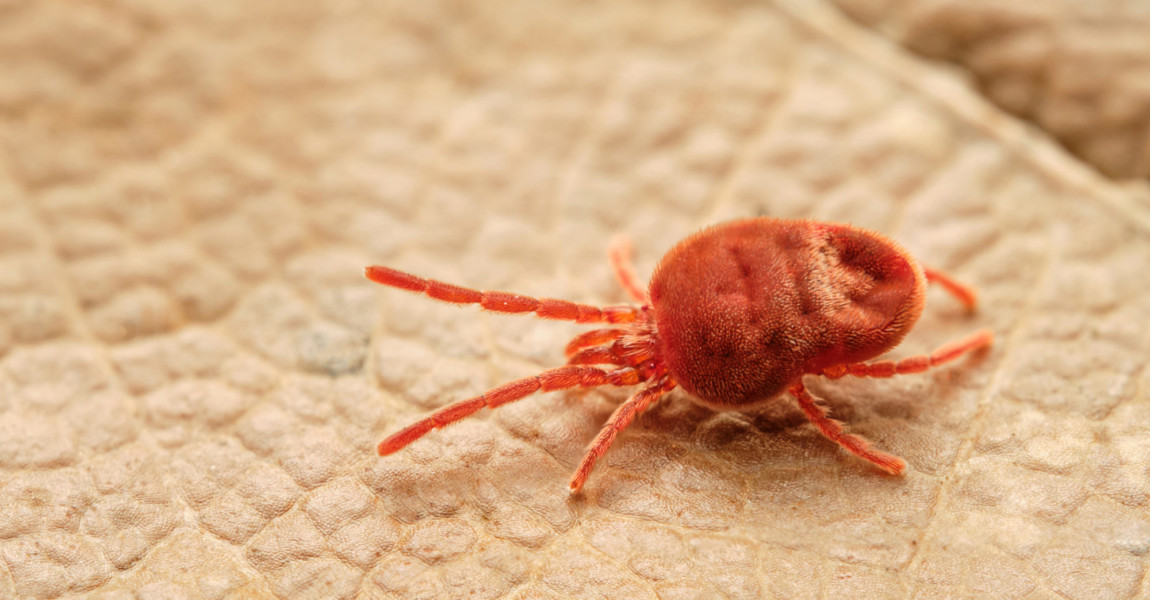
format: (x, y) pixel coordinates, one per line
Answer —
(736, 315)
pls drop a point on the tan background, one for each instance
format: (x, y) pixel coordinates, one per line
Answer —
(1081, 70)
(193, 372)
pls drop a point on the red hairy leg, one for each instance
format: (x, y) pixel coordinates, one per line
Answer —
(620, 419)
(550, 380)
(595, 337)
(834, 431)
(620, 253)
(598, 355)
(548, 308)
(964, 293)
(635, 352)
(914, 364)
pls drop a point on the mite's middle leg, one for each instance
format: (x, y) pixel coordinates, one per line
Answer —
(595, 337)
(548, 381)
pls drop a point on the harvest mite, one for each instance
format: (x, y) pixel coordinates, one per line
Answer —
(736, 315)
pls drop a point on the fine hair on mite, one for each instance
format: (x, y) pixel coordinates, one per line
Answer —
(736, 315)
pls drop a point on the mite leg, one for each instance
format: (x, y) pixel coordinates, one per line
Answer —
(547, 381)
(622, 417)
(619, 253)
(548, 308)
(595, 337)
(833, 430)
(617, 353)
(964, 293)
(598, 355)
(914, 364)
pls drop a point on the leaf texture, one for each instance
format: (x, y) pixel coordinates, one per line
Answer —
(194, 373)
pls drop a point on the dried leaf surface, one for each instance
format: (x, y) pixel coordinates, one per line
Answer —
(193, 372)
(1079, 70)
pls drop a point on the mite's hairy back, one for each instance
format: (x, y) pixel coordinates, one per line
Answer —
(745, 308)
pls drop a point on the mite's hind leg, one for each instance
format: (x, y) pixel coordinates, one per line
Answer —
(620, 253)
(914, 364)
(620, 419)
(833, 430)
(553, 379)
(964, 293)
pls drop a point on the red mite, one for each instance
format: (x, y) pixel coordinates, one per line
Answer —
(736, 315)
